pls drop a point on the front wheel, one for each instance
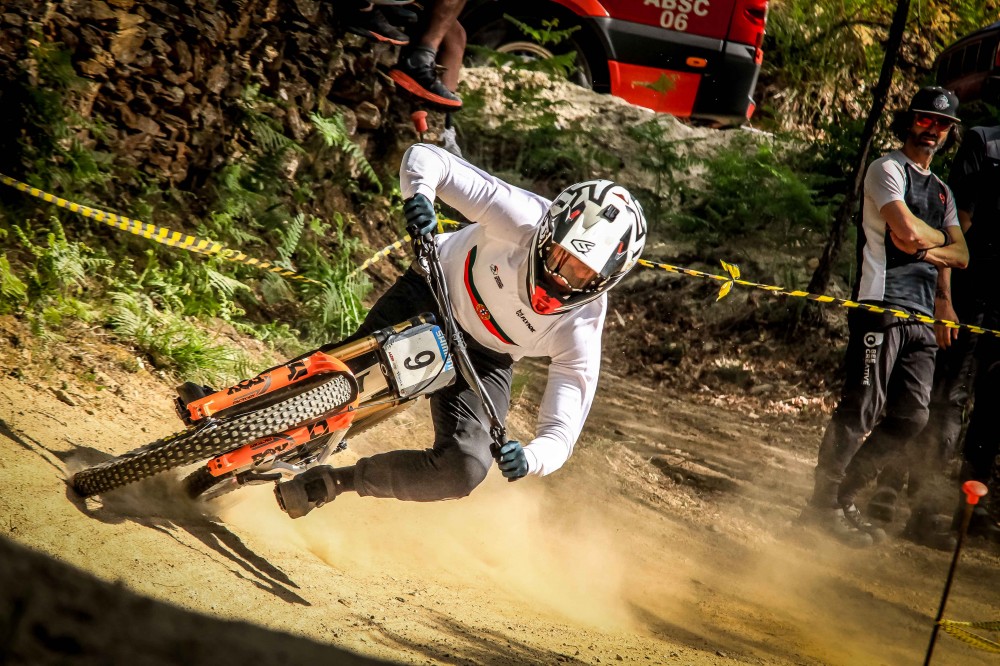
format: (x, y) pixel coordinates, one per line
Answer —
(210, 440)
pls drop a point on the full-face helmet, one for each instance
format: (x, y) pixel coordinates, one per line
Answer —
(591, 236)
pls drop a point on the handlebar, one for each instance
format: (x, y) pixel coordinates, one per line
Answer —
(427, 257)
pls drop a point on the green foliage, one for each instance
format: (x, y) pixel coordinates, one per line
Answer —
(336, 307)
(173, 343)
(334, 133)
(52, 150)
(551, 58)
(13, 292)
(58, 267)
(752, 188)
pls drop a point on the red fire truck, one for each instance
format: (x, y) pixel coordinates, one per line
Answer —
(692, 58)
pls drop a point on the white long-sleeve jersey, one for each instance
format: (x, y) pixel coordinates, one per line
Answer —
(486, 266)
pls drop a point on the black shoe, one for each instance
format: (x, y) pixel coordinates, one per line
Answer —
(882, 505)
(373, 25)
(417, 74)
(857, 519)
(836, 524)
(930, 530)
(307, 491)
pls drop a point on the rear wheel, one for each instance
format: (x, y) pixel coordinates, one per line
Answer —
(212, 439)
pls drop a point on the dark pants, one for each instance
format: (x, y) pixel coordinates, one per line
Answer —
(982, 440)
(460, 457)
(890, 366)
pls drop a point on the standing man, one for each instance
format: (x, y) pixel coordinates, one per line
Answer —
(910, 229)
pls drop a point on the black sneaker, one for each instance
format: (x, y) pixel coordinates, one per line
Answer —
(930, 530)
(417, 74)
(307, 491)
(834, 523)
(882, 505)
(857, 519)
(373, 25)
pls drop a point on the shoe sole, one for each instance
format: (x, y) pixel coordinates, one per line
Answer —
(409, 84)
(379, 38)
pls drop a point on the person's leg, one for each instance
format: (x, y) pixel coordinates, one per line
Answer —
(907, 399)
(450, 55)
(416, 70)
(871, 353)
(460, 458)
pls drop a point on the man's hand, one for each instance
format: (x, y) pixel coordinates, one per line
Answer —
(511, 460)
(420, 217)
(943, 309)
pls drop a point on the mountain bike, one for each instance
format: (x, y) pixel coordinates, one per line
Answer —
(296, 415)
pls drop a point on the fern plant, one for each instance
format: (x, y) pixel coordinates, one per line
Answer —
(334, 134)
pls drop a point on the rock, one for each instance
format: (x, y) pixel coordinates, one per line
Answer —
(62, 396)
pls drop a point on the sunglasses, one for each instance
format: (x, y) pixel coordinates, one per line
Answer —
(937, 123)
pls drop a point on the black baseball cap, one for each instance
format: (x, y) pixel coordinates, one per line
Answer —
(936, 101)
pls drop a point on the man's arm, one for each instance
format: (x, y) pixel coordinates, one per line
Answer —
(908, 232)
(943, 309)
(479, 196)
(955, 255)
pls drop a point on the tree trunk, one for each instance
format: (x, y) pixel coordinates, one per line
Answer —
(845, 213)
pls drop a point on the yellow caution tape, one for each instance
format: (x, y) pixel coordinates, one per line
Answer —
(399, 245)
(155, 233)
(960, 631)
(733, 278)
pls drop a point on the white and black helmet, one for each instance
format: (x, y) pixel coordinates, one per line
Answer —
(600, 224)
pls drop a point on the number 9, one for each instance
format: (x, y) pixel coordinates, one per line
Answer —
(421, 360)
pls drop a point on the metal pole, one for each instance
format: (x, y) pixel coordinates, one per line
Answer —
(973, 491)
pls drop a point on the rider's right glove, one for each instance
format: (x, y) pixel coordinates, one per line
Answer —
(420, 217)
(511, 460)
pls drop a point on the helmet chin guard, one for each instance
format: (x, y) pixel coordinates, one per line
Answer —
(599, 224)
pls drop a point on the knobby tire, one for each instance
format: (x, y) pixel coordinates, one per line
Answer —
(196, 444)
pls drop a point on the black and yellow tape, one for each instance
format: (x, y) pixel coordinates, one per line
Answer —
(960, 630)
(157, 234)
(399, 245)
(733, 278)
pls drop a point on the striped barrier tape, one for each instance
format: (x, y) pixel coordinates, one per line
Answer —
(208, 247)
(398, 245)
(960, 630)
(155, 233)
(733, 278)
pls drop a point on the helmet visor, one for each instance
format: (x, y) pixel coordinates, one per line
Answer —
(566, 273)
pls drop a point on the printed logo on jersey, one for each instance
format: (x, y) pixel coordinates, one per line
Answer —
(496, 276)
(582, 246)
(941, 196)
(524, 318)
(477, 300)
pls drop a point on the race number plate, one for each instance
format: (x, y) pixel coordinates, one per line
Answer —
(419, 361)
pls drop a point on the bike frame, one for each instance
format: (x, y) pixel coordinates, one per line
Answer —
(373, 367)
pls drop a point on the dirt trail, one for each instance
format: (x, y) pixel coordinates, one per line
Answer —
(666, 539)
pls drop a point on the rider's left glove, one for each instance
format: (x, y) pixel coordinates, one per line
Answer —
(511, 460)
(420, 217)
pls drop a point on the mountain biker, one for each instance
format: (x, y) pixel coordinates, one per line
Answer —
(528, 279)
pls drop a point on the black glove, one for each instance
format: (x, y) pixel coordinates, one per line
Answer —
(420, 217)
(512, 461)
